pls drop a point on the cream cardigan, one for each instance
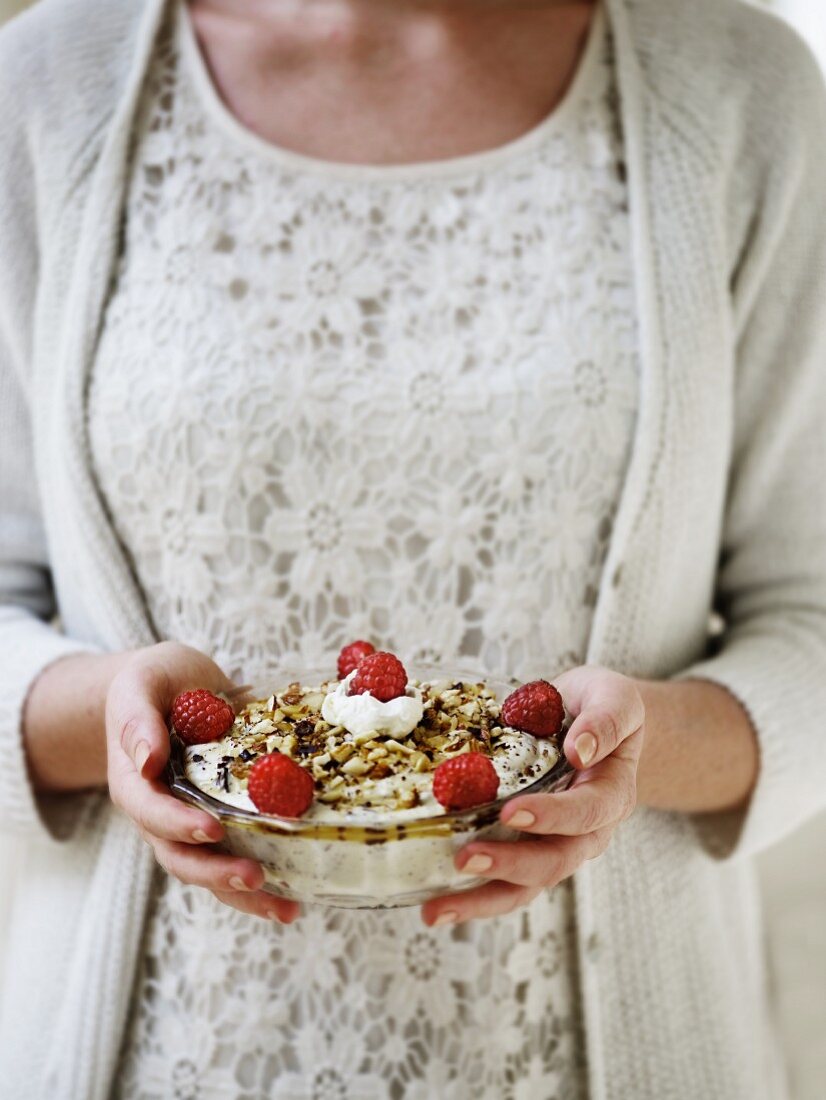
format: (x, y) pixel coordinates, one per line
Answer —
(724, 117)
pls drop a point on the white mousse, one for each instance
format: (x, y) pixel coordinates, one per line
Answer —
(363, 714)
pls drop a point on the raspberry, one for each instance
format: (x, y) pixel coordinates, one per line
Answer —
(199, 716)
(351, 656)
(534, 708)
(382, 675)
(465, 781)
(277, 785)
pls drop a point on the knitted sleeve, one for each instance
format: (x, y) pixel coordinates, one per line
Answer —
(28, 643)
(772, 576)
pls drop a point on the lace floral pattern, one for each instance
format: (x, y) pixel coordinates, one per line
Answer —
(397, 406)
(353, 1006)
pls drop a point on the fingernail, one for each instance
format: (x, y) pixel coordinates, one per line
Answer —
(201, 837)
(522, 819)
(142, 754)
(586, 747)
(238, 884)
(478, 864)
(445, 918)
(273, 914)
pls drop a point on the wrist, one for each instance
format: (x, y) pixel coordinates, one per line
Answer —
(649, 771)
(63, 721)
(700, 750)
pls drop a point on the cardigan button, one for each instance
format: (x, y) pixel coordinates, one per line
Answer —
(593, 948)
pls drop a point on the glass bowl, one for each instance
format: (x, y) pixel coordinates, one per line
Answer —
(361, 866)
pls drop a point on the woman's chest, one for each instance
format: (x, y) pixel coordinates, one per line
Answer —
(365, 408)
(386, 335)
(494, 312)
(267, 303)
(318, 397)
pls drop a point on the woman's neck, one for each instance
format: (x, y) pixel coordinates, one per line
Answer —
(379, 82)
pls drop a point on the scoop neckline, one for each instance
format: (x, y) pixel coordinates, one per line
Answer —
(214, 106)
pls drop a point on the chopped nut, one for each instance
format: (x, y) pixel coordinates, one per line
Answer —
(288, 744)
(264, 726)
(343, 752)
(395, 746)
(356, 766)
(420, 762)
(293, 710)
(331, 795)
(361, 738)
(377, 753)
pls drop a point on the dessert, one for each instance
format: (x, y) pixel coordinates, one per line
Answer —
(360, 790)
(370, 761)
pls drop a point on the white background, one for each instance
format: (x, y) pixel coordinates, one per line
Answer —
(809, 16)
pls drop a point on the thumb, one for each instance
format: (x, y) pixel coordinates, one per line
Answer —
(137, 724)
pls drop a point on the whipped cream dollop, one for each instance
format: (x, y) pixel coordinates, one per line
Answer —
(363, 714)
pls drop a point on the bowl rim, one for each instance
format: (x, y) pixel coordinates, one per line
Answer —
(557, 778)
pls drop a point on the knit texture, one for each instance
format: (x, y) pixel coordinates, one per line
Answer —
(723, 115)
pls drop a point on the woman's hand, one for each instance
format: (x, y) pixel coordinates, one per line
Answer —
(562, 830)
(137, 703)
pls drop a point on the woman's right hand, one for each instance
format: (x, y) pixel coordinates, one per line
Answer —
(137, 741)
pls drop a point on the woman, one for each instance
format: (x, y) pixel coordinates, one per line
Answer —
(487, 331)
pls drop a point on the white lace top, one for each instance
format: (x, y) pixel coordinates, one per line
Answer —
(334, 401)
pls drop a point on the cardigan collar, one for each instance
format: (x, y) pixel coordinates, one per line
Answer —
(119, 617)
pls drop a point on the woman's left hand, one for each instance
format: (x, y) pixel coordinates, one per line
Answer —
(561, 830)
